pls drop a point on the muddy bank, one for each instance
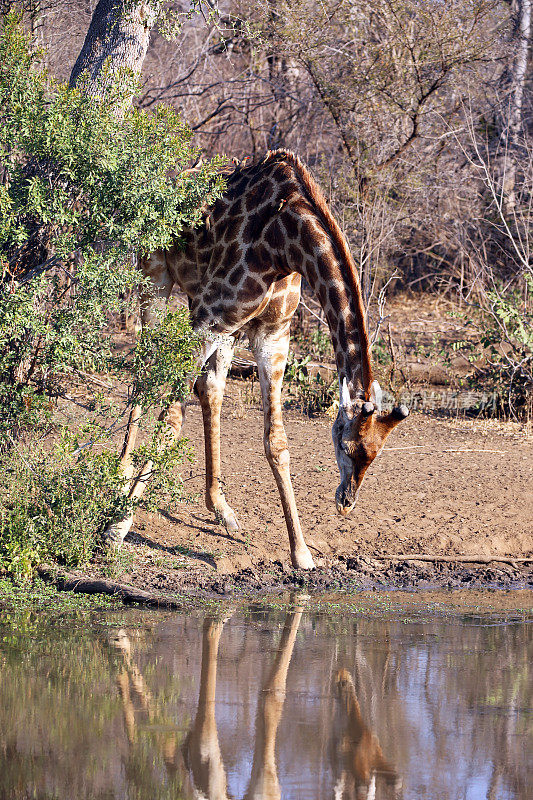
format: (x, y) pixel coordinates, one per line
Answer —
(441, 488)
(356, 574)
(167, 588)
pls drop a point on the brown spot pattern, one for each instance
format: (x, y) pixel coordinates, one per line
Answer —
(272, 220)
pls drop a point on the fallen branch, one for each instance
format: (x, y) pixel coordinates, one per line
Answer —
(446, 450)
(463, 559)
(65, 581)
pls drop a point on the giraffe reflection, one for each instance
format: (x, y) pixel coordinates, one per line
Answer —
(357, 757)
(202, 751)
(358, 749)
(199, 761)
(264, 784)
(131, 681)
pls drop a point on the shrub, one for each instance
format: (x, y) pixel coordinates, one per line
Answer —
(82, 189)
(502, 354)
(55, 504)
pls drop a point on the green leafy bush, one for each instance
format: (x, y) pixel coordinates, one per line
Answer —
(82, 190)
(55, 503)
(502, 350)
(164, 359)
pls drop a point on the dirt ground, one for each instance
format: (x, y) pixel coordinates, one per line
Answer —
(441, 487)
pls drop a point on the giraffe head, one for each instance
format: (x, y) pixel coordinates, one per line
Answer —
(359, 433)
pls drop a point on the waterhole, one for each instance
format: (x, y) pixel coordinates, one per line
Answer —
(300, 699)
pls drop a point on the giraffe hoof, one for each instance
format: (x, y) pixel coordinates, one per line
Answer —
(115, 534)
(111, 539)
(228, 520)
(231, 524)
(302, 559)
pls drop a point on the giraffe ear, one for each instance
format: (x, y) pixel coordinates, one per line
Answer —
(394, 417)
(376, 395)
(400, 412)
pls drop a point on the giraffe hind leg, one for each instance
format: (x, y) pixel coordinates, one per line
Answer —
(153, 301)
(210, 387)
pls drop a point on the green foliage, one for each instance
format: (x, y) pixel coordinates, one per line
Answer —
(56, 503)
(166, 455)
(24, 606)
(502, 352)
(98, 176)
(310, 392)
(381, 353)
(82, 189)
(165, 358)
(315, 343)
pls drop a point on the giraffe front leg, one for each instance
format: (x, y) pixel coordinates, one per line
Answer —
(210, 387)
(172, 418)
(271, 350)
(153, 301)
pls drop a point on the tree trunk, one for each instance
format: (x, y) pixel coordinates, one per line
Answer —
(117, 39)
(514, 81)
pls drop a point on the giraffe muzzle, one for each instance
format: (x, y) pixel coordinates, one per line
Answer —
(345, 499)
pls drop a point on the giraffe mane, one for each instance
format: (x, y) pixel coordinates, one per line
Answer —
(319, 202)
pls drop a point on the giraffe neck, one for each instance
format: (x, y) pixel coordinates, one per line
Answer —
(328, 268)
(353, 711)
(316, 247)
(349, 345)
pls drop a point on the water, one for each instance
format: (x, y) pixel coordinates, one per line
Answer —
(278, 703)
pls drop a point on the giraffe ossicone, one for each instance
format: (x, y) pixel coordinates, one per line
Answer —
(242, 271)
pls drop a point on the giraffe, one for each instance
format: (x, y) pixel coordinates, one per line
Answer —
(242, 271)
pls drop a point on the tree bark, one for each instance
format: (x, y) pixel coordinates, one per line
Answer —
(514, 81)
(67, 582)
(117, 39)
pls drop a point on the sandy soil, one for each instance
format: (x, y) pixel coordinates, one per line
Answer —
(441, 487)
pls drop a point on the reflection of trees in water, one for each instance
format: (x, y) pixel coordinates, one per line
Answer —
(490, 671)
(61, 717)
(91, 712)
(149, 729)
(47, 675)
